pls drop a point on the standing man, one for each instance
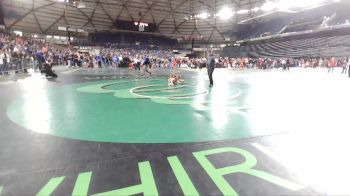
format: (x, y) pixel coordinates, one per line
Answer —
(210, 68)
(349, 67)
(115, 60)
(137, 64)
(288, 63)
(332, 63)
(41, 59)
(147, 64)
(7, 61)
(99, 60)
(2, 59)
(284, 64)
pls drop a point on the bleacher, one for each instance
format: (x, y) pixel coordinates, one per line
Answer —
(272, 27)
(332, 46)
(303, 25)
(132, 39)
(293, 34)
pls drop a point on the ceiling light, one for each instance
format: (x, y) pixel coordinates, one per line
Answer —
(19, 33)
(225, 13)
(244, 11)
(203, 15)
(256, 9)
(81, 5)
(268, 6)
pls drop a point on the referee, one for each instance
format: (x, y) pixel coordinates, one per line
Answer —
(210, 68)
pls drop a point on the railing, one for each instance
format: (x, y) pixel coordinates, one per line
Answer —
(18, 65)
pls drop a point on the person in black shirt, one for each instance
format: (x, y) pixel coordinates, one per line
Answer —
(48, 69)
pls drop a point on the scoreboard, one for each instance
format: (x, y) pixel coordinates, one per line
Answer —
(135, 26)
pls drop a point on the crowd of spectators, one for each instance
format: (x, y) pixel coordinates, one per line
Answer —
(18, 52)
(14, 51)
(285, 63)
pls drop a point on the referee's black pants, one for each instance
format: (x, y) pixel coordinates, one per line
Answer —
(210, 74)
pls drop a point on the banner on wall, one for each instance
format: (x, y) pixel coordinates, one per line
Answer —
(206, 49)
(60, 28)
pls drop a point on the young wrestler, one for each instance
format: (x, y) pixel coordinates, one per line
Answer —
(175, 80)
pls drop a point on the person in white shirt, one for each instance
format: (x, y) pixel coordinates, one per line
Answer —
(2, 58)
(6, 61)
(344, 64)
(137, 64)
(284, 64)
(348, 66)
